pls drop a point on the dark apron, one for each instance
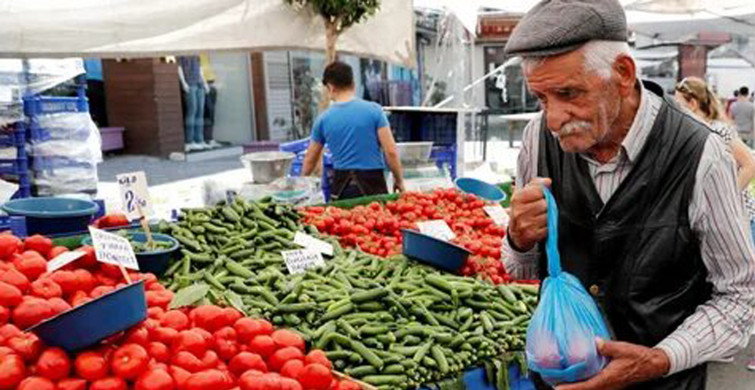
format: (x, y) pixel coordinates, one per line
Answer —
(348, 184)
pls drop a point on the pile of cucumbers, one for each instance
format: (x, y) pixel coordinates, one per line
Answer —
(393, 323)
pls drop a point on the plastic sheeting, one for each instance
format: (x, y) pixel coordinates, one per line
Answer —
(128, 28)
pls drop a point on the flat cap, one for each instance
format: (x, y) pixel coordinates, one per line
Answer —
(555, 27)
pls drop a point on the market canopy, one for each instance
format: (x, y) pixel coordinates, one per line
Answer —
(132, 28)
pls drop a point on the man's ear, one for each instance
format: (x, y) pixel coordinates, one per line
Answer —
(625, 70)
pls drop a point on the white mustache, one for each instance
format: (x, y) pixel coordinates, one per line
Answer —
(573, 127)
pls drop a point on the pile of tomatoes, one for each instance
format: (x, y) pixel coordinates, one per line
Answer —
(376, 228)
(199, 348)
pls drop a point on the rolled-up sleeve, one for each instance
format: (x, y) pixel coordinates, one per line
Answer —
(721, 326)
(523, 265)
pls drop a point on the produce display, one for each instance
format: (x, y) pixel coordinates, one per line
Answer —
(144, 246)
(376, 228)
(186, 348)
(393, 324)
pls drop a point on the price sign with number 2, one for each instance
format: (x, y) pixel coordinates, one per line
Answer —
(134, 194)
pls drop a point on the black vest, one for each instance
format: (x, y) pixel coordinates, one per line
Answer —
(637, 253)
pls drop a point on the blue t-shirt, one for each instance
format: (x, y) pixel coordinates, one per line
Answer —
(349, 129)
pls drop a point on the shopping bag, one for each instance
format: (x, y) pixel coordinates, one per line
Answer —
(561, 335)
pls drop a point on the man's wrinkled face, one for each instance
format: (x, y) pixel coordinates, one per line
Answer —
(579, 105)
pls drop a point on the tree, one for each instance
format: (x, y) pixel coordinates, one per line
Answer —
(338, 15)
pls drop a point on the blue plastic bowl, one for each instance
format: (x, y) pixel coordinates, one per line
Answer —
(96, 320)
(155, 261)
(480, 188)
(433, 251)
(52, 215)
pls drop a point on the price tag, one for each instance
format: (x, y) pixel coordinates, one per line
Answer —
(499, 216)
(113, 249)
(7, 190)
(134, 191)
(300, 260)
(64, 259)
(437, 228)
(313, 244)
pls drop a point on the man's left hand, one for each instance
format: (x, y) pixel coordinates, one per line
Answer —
(629, 364)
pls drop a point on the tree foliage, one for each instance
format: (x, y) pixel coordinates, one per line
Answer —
(342, 13)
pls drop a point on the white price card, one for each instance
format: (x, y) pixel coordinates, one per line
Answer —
(7, 190)
(134, 194)
(313, 244)
(499, 216)
(300, 260)
(437, 228)
(113, 249)
(63, 259)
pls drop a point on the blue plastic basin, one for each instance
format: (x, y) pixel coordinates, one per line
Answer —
(92, 322)
(433, 251)
(52, 215)
(480, 188)
(155, 261)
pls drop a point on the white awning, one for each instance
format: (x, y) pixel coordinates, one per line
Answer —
(129, 28)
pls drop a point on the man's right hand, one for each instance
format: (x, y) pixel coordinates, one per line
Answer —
(529, 215)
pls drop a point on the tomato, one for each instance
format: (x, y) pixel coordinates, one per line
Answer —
(175, 319)
(318, 356)
(163, 335)
(209, 380)
(187, 361)
(159, 298)
(45, 288)
(36, 383)
(225, 343)
(210, 359)
(12, 371)
(54, 364)
(138, 335)
(66, 280)
(38, 243)
(158, 351)
(315, 377)
(154, 380)
(156, 313)
(15, 278)
(9, 245)
(191, 341)
(26, 345)
(31, 264)
(129, 361)
(4, 317)
(10, 295)
(111, 383)
(292, 368)
(245, 361)
(263, 345)
(286, 338)
(281, 356)
(209, 317)
(72, 384)
(247, 328)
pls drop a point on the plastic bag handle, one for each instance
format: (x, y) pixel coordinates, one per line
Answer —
(551, 243)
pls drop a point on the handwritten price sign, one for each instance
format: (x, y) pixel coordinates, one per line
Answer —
(134, 194)
(113, 249)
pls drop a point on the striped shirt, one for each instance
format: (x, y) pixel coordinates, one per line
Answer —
(729, 134)
(721, 326)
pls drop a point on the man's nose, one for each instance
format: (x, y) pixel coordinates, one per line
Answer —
(556, 117)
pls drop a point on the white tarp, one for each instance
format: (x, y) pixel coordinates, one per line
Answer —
(130, 28)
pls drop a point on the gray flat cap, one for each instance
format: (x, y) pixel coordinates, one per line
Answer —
(554, 27)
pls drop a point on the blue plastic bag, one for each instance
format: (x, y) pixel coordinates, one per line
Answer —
(561, 335)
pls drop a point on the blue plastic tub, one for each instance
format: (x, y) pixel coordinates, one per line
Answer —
(433, 251)
(92, 322)
(480, 188)
(53, 215)
(155, 261)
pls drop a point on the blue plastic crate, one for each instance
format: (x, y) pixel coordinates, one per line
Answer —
(15, 166)
(445, 155)
(38, 105)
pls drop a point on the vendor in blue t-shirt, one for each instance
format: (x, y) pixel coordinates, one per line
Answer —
(358, 135)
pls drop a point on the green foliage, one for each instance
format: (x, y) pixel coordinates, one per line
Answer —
(343, 13)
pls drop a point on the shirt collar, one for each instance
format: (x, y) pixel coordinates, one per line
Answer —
(641, 126)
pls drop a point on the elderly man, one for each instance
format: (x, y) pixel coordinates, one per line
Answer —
(650, 219)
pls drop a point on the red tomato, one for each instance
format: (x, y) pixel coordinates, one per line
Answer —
(91, 366)
(154, 380)
(263, 345)
(12, 371)
(245, 361)
(129, 361)
(209, 380)
(36, 383)
(54, 364)
(112, 383)
(72, 384)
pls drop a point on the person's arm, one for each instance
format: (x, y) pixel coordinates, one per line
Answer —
(182, 79)
(311, 158)
(745, 162)
(523, 264)
(719, 327)
(388, 144)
